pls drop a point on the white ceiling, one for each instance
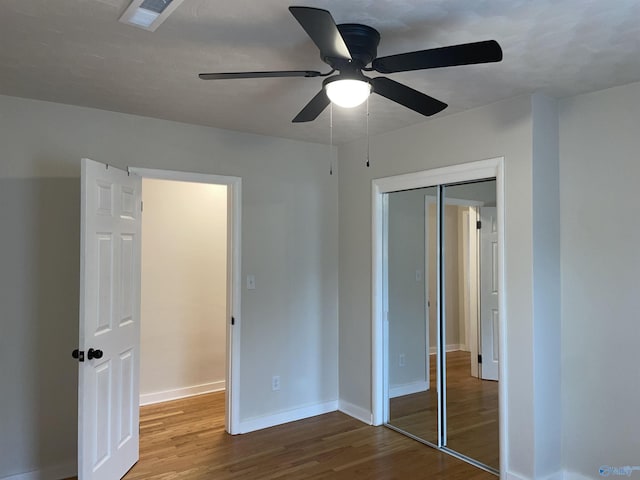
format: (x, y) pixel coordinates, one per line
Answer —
(76, 52)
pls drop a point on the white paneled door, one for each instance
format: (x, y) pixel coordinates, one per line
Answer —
(489, 303)
(108, 412)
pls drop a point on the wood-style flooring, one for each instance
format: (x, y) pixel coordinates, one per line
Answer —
(472, 411)
(185, 439)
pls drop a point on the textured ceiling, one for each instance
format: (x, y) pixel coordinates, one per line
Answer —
(76, 52)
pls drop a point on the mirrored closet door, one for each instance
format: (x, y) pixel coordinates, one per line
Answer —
(411, 274)
(441, 297)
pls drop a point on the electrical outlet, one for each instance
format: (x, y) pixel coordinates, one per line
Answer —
(402, 360)
(275, 383)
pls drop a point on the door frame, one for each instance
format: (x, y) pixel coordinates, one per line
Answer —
(478, 170)
(234, 281)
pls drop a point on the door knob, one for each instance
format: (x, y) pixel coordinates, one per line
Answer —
(91, 354)
(78, 355)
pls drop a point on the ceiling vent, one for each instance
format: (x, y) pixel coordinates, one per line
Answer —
(148, 14)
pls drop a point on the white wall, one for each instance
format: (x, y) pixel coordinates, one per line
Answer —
(184, 289)
(500, 129)
(289, 242)
(600, 235)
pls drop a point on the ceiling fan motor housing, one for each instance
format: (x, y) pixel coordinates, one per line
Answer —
(362, 42)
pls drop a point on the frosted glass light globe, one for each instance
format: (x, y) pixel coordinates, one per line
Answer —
(348, 93)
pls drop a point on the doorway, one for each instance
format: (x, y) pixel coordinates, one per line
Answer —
(452, 410)
(183, 289)
(231, 329)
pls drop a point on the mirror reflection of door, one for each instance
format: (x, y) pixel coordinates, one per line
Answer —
(471, 311)
(466, 422)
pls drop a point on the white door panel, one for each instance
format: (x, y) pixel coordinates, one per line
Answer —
(108, 414)
(489, 311)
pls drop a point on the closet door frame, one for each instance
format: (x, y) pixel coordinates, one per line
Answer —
(479, 170)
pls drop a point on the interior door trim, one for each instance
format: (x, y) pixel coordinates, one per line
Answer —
(234, 278)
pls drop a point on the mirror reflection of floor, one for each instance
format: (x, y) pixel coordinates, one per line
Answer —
(472, 411)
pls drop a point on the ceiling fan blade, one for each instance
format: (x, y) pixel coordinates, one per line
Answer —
(322, 29)
(314, 108)
(465, 54)
(410, 98)
(274, 74)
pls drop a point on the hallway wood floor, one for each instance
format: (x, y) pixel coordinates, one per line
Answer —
(185, 439)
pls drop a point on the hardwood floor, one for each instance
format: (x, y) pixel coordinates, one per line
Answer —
(472, 412)
(185, 439)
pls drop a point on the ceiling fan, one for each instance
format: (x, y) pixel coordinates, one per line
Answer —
(349, 48)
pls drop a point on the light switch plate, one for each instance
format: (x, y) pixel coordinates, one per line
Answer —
(251, 282)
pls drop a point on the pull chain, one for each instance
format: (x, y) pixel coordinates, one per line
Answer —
(368, 149)
(331, 138)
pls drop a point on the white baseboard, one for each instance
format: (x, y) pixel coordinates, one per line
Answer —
(450, 348)
(579, 476)
(408, 389)
(177, 393)
(514, 476)
(356, 412)
(56, 472)
(559, 475)
(258, 423)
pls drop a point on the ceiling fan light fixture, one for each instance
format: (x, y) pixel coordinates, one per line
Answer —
(348, 93)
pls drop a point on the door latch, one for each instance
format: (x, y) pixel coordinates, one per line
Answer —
(78, 355)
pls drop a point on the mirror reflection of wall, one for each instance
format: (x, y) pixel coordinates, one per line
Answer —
(412, 378)
(469, 311)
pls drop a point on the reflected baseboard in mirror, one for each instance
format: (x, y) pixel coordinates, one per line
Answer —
(472, 412)
(417, 413)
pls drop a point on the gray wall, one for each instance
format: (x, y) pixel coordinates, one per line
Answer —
(38, 321)
(546, 288)
(289, 222)
(600, 235)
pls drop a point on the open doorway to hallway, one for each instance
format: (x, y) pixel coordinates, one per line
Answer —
(184, 289)
(233, 317)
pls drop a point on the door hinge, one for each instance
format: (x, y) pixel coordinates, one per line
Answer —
(141, 207)
(478, 224)
(479, 358)
(233, 321)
